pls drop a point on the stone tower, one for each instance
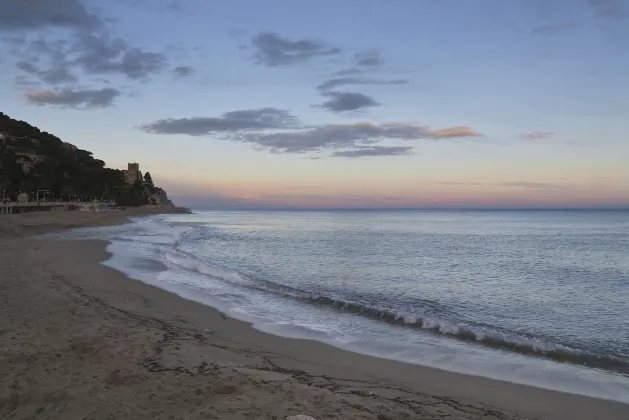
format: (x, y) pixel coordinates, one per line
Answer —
(132, 173)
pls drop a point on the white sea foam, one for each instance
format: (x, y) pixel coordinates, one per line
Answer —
(189, 263)
(486, 335)
(410, 319)
(271, 311)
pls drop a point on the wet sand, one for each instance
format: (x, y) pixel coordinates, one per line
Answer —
(80, 340)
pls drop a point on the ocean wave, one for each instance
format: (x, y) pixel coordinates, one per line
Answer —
(466, 331)
(192, 264)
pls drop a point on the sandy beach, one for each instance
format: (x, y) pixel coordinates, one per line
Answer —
(79, 340)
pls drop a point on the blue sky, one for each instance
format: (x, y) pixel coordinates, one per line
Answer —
(452, 104)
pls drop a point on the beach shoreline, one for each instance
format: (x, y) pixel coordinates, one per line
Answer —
(79, 339)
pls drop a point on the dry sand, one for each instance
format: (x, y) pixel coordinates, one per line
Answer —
(81, 341)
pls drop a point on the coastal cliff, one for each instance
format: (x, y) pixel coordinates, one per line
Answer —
(160, 198)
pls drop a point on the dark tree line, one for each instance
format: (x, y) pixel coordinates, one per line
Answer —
(32, 160)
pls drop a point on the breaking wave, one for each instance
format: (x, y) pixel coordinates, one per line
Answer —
(466, 331)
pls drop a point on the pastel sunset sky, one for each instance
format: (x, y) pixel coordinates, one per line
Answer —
(335, 103)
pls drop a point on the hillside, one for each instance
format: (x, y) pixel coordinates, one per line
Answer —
(31, 160)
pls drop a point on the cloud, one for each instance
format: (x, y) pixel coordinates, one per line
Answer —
(535, 185)
(343, 81)
(348, 101)
(182, 71)
(609, 8)
(347, 136)
(100, 98)
(537, 135)
(348, 72)
(280, 132)
(60, 61)
(273, 50)
(105, 55)
(351, 101)
(557, 28)
(515, 184)
(453, 132)
(24, 82)
(54, 75)
(169, 5)
(374, 151)
(38, 14)
(368, 58)
(221, 197)
(230, 122)
(459, 183)
(334, 136)
(87, 47)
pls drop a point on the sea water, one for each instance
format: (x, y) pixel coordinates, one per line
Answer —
(533, 297)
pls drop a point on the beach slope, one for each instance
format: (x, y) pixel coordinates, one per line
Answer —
(80, 340)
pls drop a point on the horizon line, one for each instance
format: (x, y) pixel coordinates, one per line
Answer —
(411, 209)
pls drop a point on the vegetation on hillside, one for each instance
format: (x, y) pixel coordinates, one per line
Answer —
(32, 160)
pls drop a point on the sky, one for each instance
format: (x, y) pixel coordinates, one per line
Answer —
(335, 103)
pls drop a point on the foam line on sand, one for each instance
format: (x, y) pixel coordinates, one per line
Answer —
(80, 340)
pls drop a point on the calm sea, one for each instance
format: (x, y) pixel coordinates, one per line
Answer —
(535, 297)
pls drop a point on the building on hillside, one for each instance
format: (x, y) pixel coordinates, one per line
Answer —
(132, 173)
(68, 146)
(5, 137)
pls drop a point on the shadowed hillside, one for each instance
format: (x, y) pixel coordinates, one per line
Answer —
(31, 160)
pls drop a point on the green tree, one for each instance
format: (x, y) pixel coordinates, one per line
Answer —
(59, 167)
(147, 179)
